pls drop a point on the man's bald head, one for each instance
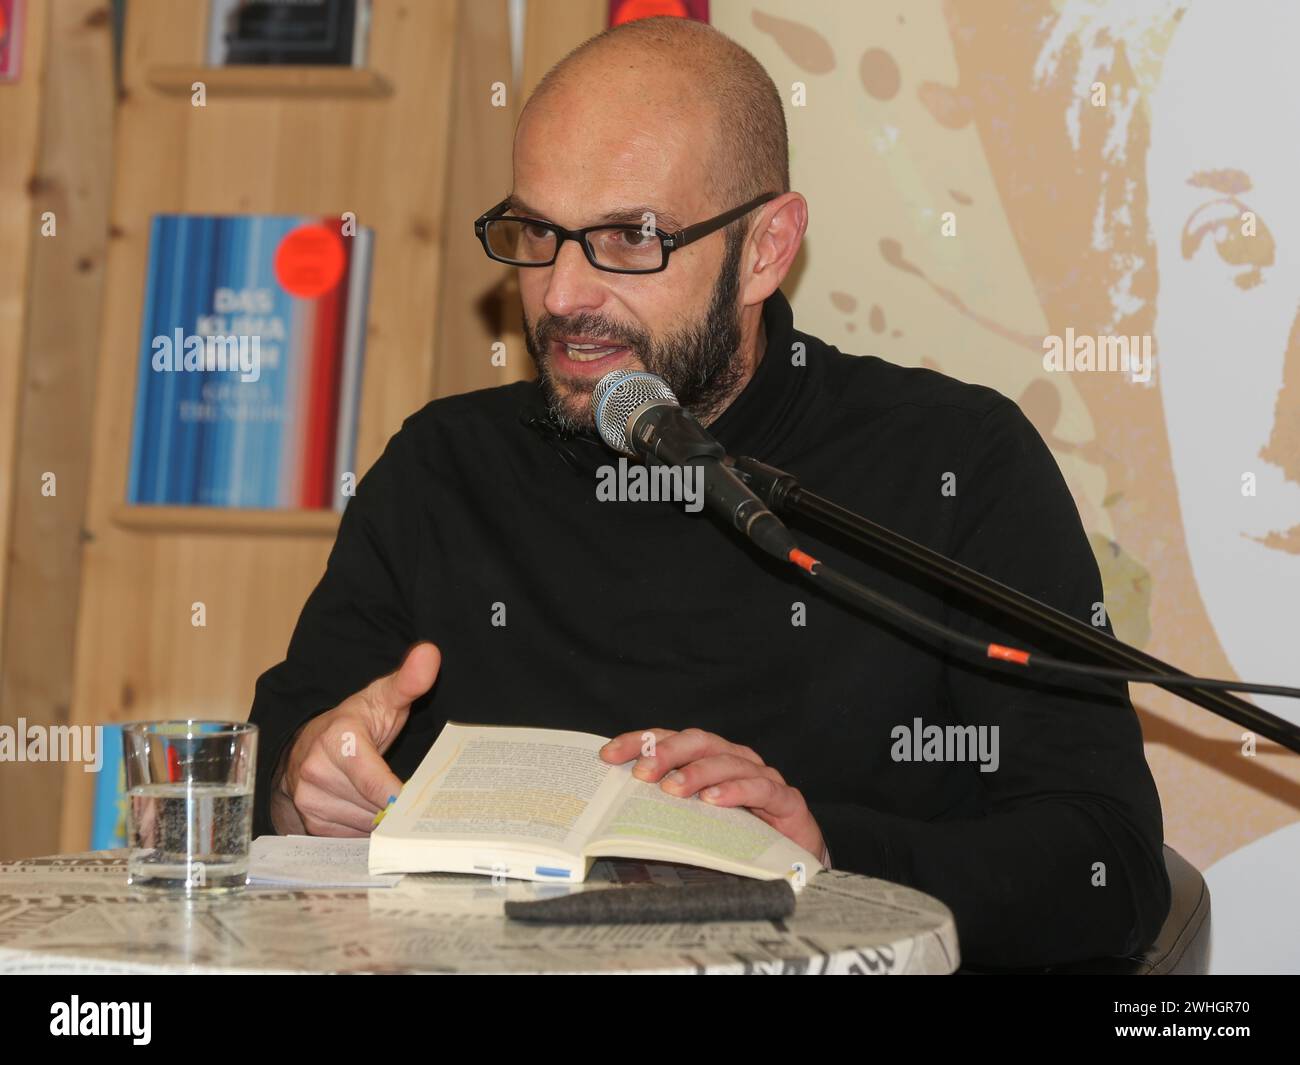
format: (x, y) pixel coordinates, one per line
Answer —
(691, 72)
(668, 123)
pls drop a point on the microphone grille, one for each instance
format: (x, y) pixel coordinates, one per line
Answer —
(617, 395)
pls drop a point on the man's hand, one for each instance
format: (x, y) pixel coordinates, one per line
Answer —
(334, 777)
(724, 774)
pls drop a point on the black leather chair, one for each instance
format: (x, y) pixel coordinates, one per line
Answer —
(1181, 948)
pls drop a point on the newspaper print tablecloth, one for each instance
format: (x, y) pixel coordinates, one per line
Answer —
(76, 914)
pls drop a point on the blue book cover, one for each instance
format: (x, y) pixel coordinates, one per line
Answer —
(108, 821)
(248, 368)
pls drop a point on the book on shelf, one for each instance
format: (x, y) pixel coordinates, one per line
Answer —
(108, 814)
(249, 368)
(541, 804)
(288, 32)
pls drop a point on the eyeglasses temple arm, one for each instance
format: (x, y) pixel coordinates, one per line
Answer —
(702, 229)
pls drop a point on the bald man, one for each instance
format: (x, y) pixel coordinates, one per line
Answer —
(480, 574)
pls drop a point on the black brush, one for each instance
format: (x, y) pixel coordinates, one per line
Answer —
(741, 900)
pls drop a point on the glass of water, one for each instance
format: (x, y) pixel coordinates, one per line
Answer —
(190, 795)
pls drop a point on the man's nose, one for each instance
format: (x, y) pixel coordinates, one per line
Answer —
(575, 285)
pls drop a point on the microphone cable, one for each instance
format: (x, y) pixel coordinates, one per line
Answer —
(859, 593)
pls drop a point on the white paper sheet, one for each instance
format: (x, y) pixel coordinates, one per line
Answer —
(314, 861)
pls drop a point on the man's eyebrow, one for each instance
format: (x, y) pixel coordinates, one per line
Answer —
(620, 216)
(639, 215)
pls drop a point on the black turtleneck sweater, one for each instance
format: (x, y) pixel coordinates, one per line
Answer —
(624, 616)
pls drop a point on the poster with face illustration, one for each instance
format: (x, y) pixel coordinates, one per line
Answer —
(990, 183)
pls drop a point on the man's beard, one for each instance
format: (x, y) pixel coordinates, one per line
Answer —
(702, 363)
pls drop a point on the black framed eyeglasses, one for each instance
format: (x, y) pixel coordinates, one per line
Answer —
(618, 249)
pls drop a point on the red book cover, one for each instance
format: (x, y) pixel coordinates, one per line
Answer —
(312, 263)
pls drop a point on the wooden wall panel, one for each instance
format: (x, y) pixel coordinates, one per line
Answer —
(553, 28)
(55, 397)
(20, 128)
(412, 151)
(480, 299)
(480, 306)
(381, 155)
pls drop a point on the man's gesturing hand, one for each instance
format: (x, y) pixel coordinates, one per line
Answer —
(724, 774)
(335, 778)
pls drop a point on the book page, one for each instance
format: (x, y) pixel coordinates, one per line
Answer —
(539, 789)
(720, 837)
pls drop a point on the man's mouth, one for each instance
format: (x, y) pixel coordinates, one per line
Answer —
(588, 352)
(586, 349)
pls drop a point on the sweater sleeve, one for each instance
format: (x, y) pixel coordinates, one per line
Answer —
(1066, 863)
(354, 627)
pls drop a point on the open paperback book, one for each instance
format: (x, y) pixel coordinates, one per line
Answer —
(540, 804)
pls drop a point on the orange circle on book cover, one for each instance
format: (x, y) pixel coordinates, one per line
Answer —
(309, 261)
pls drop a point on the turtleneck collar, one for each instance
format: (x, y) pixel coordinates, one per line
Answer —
(756, 420)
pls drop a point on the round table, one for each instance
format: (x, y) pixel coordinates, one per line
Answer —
(75, 914)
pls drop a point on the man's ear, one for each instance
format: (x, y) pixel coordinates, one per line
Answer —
(772, 246)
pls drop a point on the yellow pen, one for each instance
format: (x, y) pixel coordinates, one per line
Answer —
(380, 816)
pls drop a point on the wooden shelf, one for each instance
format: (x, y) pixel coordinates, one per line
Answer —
(277, 152)
(226, 520)
(270, 81)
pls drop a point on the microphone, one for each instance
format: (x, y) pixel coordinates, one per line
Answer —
(637, 414)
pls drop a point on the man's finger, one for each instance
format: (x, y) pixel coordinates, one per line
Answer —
(324, 814)
(413, 678)
(684, 747)
(628, 745)
(765, 797)
(714, 769)
(329, 775)
(370, 775)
